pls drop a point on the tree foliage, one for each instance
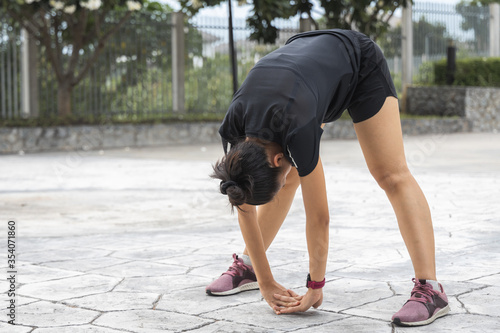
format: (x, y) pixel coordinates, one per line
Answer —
(475, 16)
(434, 34)
(73, 34)
(368, 16)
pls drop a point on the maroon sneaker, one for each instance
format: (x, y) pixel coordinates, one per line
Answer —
(424, 306)
(239, 277)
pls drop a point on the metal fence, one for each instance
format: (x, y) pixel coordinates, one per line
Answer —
(10, 69)
(133, 77)
(436, 26)
(208, 75)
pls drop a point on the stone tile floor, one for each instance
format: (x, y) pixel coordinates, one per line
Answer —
(126, 240)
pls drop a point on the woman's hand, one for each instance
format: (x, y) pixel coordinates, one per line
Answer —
(313, 297)
(279, 297)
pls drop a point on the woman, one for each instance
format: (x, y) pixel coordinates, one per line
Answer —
(274, 125)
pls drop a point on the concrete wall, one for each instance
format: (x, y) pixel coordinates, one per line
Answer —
(480, 106)
(438, 101)
(15, 140)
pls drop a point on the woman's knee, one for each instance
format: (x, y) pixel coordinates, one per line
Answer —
(391, 179)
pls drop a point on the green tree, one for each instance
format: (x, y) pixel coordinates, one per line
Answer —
(475, 16)
(73, 34)
(368, 16)
(423, 30)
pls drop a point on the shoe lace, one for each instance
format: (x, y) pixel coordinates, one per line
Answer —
(422, 292)
(236, 268)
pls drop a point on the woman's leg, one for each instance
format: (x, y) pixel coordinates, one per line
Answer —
(271, 215)
(381, 140)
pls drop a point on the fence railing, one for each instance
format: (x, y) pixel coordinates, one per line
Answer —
(10, 69)
(134, 78)
(208, 75)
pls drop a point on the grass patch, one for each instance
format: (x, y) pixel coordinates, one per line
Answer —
(151, 119)
(108, 120)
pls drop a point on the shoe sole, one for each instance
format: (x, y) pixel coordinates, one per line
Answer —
(438, 314)
(245, 287)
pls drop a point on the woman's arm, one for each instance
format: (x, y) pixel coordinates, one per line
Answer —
(317, 221)
(317, 234)
(247, 217)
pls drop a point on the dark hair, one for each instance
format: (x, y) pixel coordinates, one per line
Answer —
(246, 174)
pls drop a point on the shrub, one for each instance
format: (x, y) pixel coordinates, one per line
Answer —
(478, 72)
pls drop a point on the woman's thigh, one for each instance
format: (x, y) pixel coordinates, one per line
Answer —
(381, 141)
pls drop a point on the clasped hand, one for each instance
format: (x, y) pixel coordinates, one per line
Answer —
(283, 300)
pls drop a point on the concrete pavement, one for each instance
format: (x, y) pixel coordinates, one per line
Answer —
(126, 240)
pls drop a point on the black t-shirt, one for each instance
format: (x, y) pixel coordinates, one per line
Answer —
(290, 92)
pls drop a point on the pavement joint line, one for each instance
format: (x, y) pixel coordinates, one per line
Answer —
(229, 306)
(95, 318)
(472, 280)
(109, 255)
(112, 265)
(63, 301)
(232, 321)
(155, 303)
(391, 288)
(462, 305)
(62, 269)
(325, 323)
(198, 327)
(113, 328)
(361, 316)
(360, 305)
(484, 286)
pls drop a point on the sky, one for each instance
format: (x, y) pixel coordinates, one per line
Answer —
(242, 11)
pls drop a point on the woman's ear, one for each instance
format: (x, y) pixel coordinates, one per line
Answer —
(278, 160)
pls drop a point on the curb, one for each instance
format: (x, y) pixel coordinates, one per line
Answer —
(96, 137)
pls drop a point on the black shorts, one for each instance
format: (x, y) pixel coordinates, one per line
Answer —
(374, 82)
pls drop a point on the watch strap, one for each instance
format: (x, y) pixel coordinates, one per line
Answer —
(313, 284)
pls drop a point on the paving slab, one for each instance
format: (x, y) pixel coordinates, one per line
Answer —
(482, 301)
(37, 273)
(115, 301)
(126, 241)
(48, 314)
(258, 314)
(353, 293)
(77, 329)
(230, 327)
(200, 302)
(84, 265)
(137, 269)
(150, 321)
(161, 285)
(7, 328)
(64, 288)
(351, 324)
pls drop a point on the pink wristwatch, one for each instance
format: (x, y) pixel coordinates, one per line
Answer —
(314, 284)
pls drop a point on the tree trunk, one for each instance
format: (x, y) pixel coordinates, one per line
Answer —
(64, 99)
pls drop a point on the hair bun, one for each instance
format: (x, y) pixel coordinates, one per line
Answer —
(224, 185)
